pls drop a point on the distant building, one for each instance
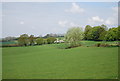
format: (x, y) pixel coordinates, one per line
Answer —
(59, 41)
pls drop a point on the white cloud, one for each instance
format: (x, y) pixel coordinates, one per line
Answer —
(111, 21)
(108, 22)
(75, 9)
(21, 22)
(72, 24)
(95, 20)
(67, 24)
(62, 23)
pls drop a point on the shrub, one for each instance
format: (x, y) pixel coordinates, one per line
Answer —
(97, 45)
(74, 36)
(102, 45)
(23, 40)
(51, 40)
(45, 41)
(11, 45)
(39, 41)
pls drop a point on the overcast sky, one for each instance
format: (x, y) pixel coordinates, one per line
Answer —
(41, 18)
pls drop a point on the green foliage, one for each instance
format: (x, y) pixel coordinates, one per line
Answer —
(102, 45)
(87, 30)
(118, 33)
(39, 41)
(96, 33)
(102, 35)
(73, 36)
(45, 41)
(112, 34)
(23, 40)
(32, 40)
(104, 26)
(51, 40)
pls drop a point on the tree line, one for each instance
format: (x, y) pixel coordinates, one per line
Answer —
(25, 40)
(101, 33)
(97, 33)
(73, 36)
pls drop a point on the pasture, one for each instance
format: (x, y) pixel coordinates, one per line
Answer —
(49, 62)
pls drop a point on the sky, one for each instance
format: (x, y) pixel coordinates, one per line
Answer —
(41, 18)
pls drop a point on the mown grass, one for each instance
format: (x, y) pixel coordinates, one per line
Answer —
(92, 43)
(0, 63)
(49, 62)
(88, 44)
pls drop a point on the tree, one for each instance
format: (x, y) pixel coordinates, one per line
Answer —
(51, 40)
(23, 40)
(87, 29)
(103, 32)
(39, 41)
(74, 36)
(104, 26)
(102, 35)
(95, 33)
(45, 41)
(32, 39)
(118, 33)
(112, 34)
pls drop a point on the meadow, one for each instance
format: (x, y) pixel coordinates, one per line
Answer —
(50, 62)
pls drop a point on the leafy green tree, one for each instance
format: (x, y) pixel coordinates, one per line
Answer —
(104, 26)
(103, 32)
(112, 34)
(32, 40)
(51, 40)
(95, 33)
(23, 40)
(45, 41)
(74, 36)
(118, 33)
(87, 30)
(102, 35)
(39, 41)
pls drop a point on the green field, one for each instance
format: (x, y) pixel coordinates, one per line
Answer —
(49, 62)
(0, 63)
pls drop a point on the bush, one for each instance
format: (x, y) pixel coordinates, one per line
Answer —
(98, 44)
(11, 45)
(23, 40)
(51, 40)
(102, 45)
(74, 36)
(39, 41)
(45, 41)
(72, 47)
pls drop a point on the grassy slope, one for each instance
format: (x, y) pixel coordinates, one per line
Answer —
(49, 62)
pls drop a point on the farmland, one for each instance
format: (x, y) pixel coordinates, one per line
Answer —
(51, 40)
(50, 62)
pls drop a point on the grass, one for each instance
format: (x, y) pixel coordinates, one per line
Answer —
(92, 43)
(0, 63)
(49, 62)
